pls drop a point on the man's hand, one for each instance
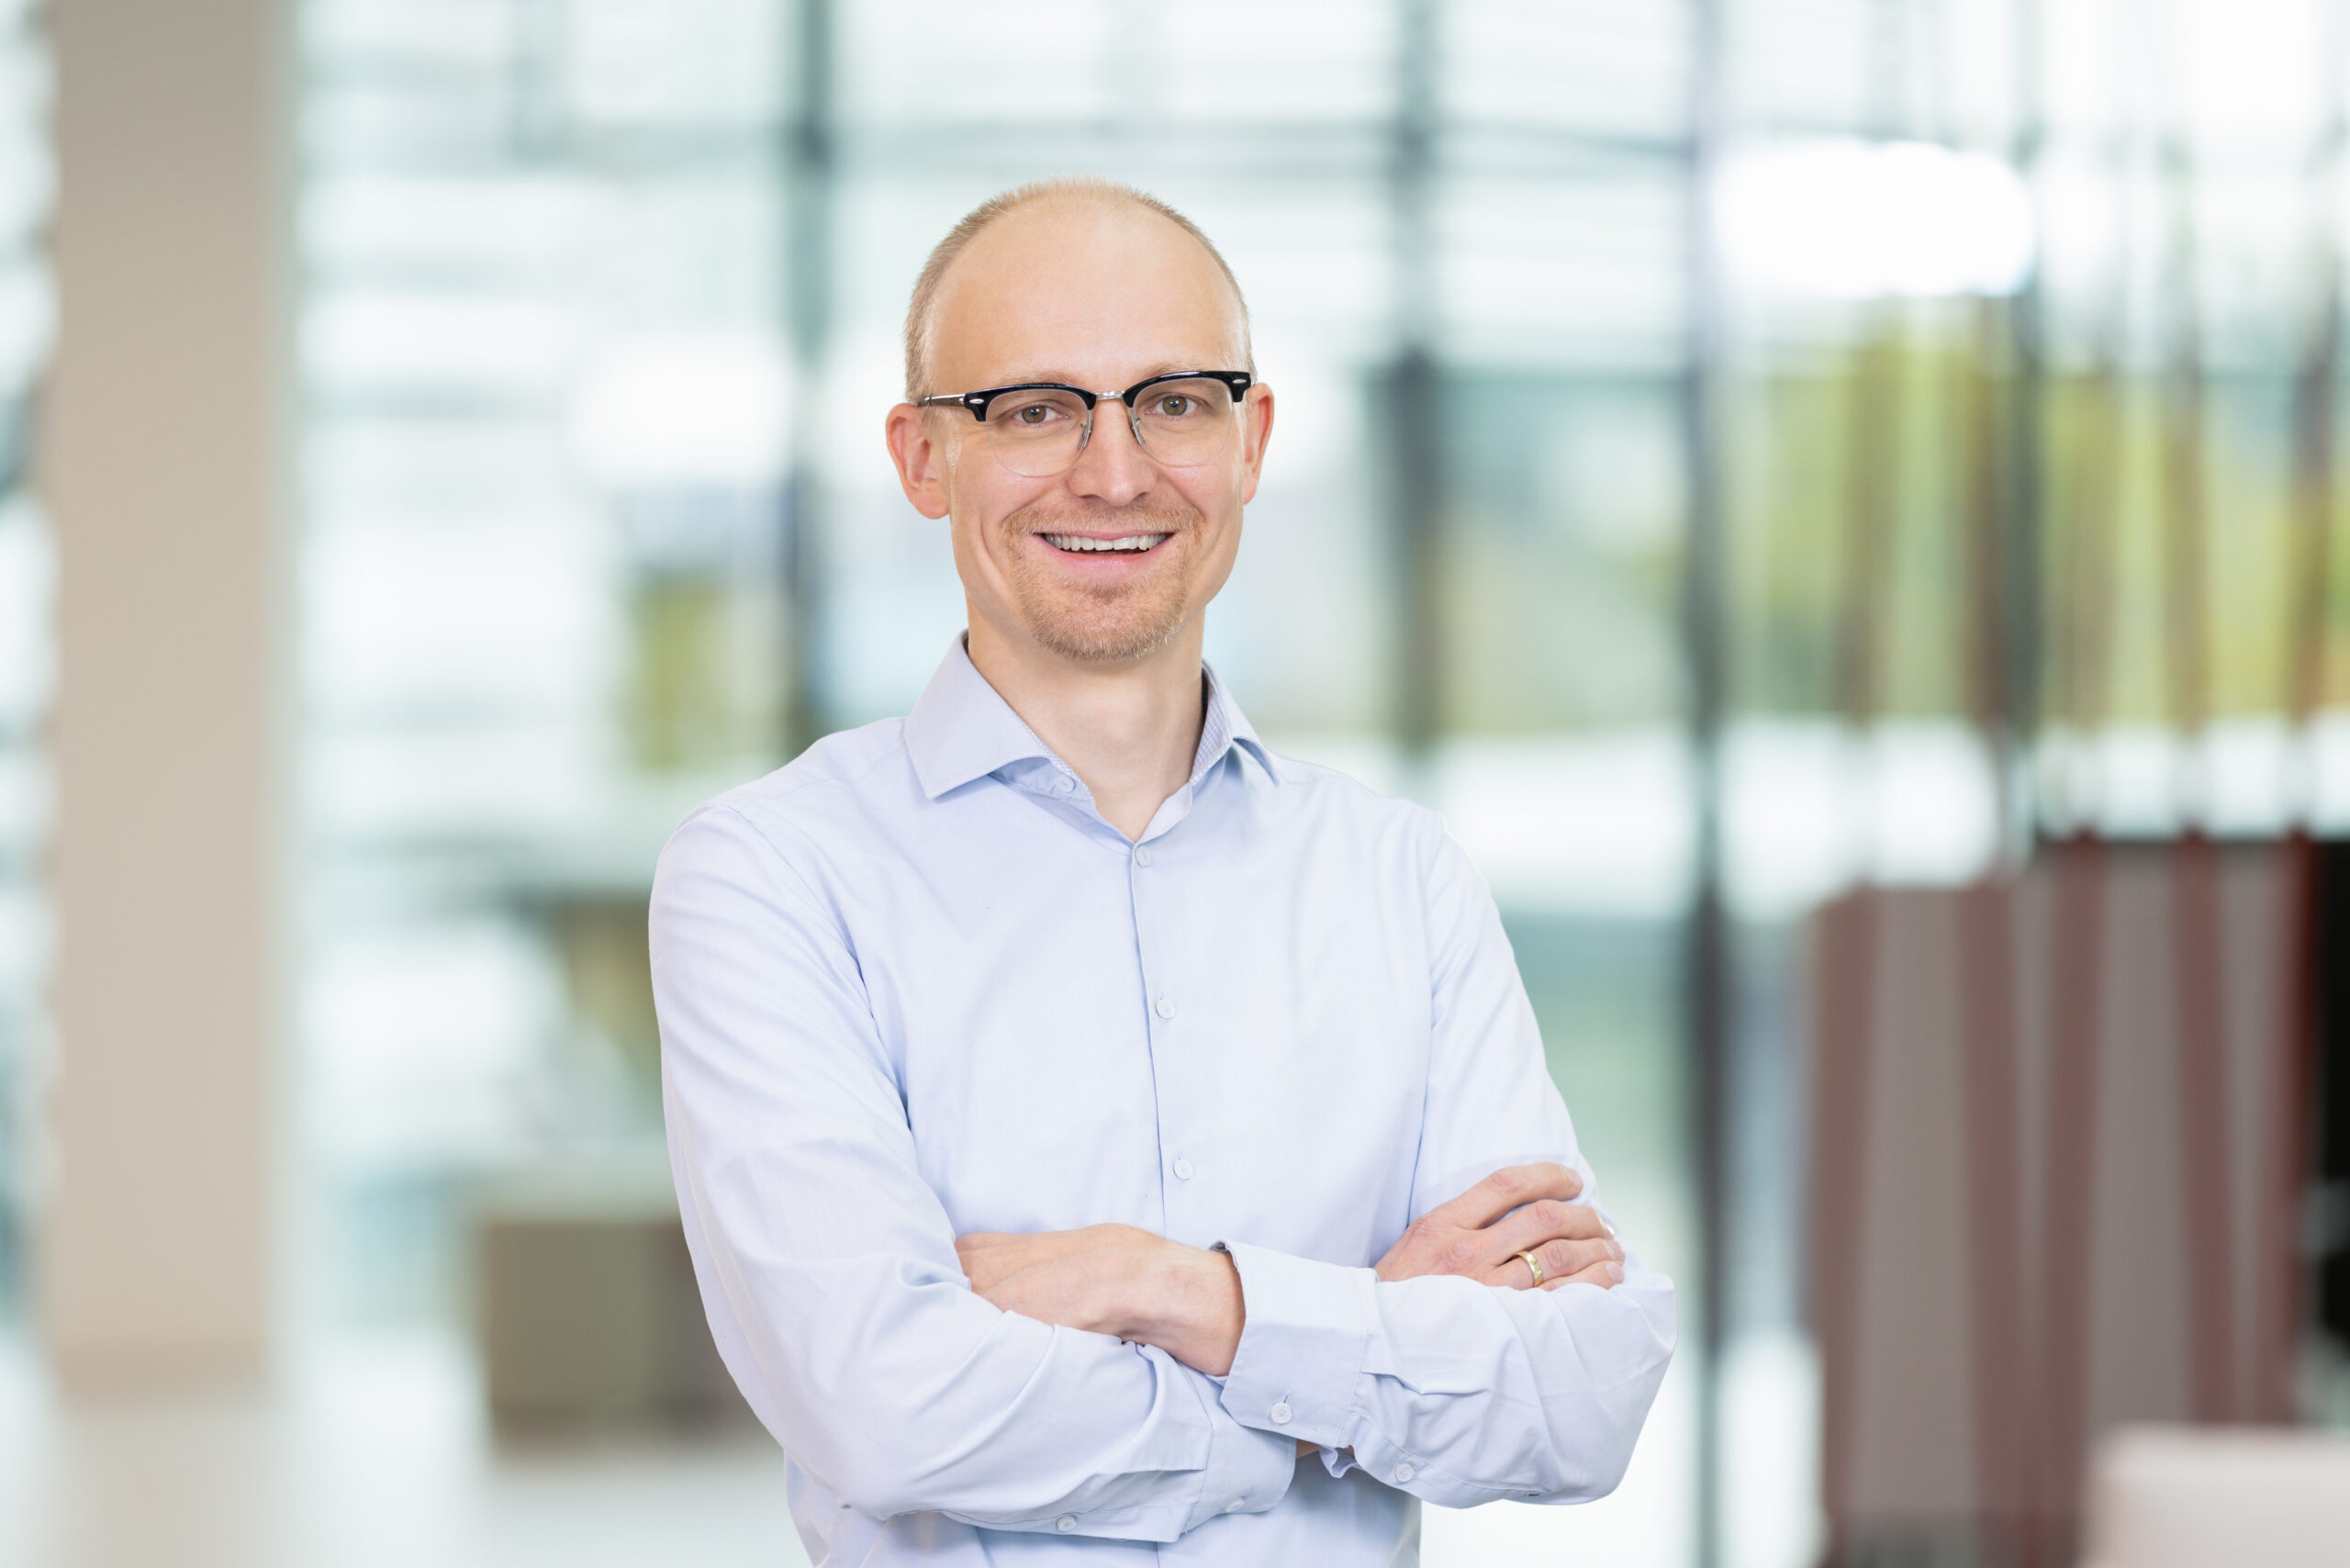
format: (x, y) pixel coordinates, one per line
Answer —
(1082, 1279)
(1113, 1278)
(1520, 1208)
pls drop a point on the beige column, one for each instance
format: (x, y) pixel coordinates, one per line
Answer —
(162, 463)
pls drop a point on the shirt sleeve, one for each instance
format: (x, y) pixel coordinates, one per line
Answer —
(828, 1268)
(1458, 1392)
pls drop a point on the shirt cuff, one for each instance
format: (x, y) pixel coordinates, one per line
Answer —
(1303, 1345)
(1247, 1470)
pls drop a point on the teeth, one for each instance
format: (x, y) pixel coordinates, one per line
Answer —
(1079, 542)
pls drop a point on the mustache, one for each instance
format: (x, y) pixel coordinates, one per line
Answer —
(1042, 517)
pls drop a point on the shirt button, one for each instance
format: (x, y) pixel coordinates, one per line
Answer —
(1066, 1523)
(1142, 854)
(1281, 1414)
(1403, 1473)
(1183, 1170)
(1163, 1007)
(1063, 784)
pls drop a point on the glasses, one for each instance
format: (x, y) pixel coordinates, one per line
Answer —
(1038, 429)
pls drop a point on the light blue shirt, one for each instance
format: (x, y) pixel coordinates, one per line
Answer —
(913, 985)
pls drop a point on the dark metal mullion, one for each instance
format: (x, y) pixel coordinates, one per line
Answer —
(2020, 631)
(2198, 981)
(812, 152)
(1709, 976)
(1413, 408)
(2291, 1289)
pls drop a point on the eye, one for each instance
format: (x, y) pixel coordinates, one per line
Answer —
(1032, 413)
(1176, 405)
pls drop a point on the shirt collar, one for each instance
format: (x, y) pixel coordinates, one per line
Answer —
(962, 729)
(1226, 728)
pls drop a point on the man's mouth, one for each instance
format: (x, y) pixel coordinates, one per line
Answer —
(1085, 544)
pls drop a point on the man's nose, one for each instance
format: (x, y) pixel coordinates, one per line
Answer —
(1113, 466)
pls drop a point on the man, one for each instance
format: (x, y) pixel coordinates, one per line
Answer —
(1096, 1136)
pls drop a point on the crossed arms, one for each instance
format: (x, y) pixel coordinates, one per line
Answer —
(1146, 1290)
(1108, 1377)
(1116, 1280)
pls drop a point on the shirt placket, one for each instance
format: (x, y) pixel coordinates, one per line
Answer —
(1173, 1008)
(1163, 995)
(1175, 1053)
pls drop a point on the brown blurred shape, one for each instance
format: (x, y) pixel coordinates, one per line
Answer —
(589, 1317)
(2054, 1082)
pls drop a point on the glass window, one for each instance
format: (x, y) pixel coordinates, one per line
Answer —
(601, 316)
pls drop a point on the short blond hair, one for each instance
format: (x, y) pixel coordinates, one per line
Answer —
(924, 305)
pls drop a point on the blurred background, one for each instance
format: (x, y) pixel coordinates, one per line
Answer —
(1836, 501)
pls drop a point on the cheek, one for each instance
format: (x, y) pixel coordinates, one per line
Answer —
(1224, 508)
(1217, 569)
(975, 563)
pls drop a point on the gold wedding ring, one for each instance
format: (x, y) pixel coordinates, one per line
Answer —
(1534, 1263)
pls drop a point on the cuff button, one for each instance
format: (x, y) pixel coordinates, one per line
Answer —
(1404, 1474)
(1066, 1523)
(1281, 1414)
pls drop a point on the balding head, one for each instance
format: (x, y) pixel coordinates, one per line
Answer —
(1034, 200)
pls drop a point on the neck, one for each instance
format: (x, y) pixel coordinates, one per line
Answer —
(1130, 730)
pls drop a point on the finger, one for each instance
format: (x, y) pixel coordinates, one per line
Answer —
(1564, 1259)
(989, 1258)
(1604, 1275)
(1514, 1273)
(1039, 1245)
(979, 1239)
(1546, 1219)
(1060, 1292)
(988, 1269)
(1558, 1261)
(1511, 1187)
(1021, 1290)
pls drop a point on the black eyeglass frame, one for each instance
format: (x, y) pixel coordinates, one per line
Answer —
(1236, 381)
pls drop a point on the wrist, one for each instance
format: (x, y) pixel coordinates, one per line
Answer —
(1187, 1302)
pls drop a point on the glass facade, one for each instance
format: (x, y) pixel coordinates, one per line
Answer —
(546, 393)
(599, 322)
(2001, 343)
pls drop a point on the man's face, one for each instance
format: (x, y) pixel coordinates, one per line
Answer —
(1097, 296)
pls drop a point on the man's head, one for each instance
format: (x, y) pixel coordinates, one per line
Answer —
(1095, 286)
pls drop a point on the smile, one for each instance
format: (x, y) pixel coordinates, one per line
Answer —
(1078, 544)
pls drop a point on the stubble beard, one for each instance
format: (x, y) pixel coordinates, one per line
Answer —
(1101, 624)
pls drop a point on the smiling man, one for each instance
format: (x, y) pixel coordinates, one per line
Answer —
(1100, 1139)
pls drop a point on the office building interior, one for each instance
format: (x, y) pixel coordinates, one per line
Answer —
(1839, 504)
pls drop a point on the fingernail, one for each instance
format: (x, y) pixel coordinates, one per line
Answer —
(1616, 1273)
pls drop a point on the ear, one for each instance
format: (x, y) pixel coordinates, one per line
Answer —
(1256, 430)
(915, 448)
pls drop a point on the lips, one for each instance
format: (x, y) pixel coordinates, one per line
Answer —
(1088, 545)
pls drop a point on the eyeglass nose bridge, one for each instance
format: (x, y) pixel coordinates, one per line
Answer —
(1093, 402)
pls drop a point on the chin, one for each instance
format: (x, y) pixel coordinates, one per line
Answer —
(1092, 646)
(1111, 639)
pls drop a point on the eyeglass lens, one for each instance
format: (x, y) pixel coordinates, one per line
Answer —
(1180, 423)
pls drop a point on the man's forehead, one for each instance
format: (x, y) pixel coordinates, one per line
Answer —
(1057, 290)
